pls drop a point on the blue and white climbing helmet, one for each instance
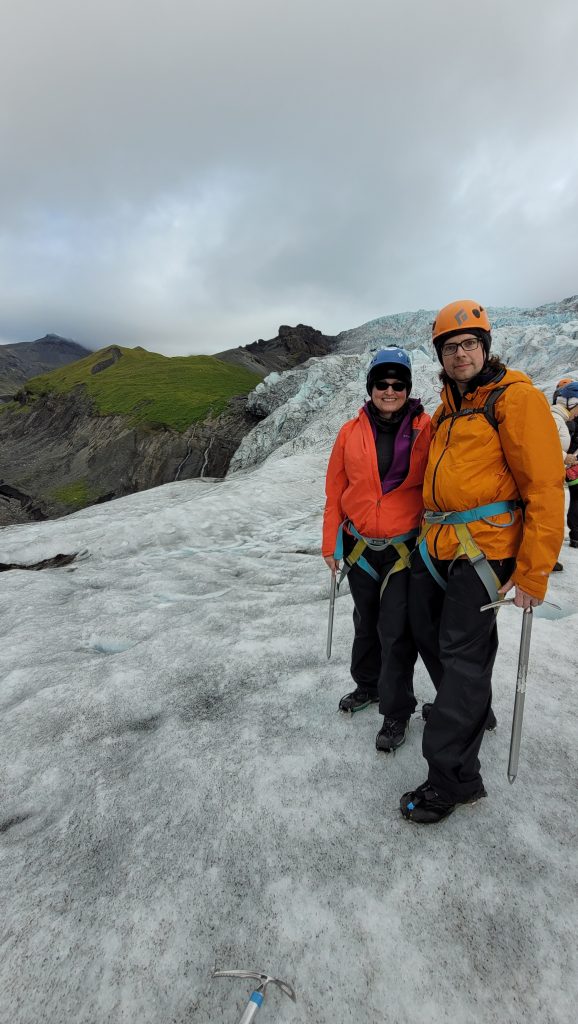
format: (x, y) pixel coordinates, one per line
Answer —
(389, 362)
(568, 396)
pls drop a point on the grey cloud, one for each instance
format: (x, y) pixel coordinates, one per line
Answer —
(188, 178)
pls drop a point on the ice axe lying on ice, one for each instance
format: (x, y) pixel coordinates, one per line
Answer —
(523, 659)
(256, 998)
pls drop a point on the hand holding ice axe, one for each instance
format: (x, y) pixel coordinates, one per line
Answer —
(256, 998)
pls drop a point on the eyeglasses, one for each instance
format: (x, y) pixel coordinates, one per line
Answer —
(468, 345)
(384, 385)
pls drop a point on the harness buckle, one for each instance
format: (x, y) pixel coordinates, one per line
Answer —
(433, 516)
(477, 558)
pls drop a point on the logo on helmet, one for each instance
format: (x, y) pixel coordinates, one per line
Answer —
(461, 317)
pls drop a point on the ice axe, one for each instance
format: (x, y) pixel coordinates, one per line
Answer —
(332, 596)
(523, 659)
(256, 998)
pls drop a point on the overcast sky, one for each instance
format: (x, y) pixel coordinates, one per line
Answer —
(188, 175)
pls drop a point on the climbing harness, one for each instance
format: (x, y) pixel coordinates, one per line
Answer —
(467, 546)
(356, 556)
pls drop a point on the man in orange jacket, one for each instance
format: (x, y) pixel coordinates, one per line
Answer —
(493, 522)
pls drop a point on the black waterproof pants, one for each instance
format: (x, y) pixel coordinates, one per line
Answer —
(573, 512)
(384, 652)
(458, 646)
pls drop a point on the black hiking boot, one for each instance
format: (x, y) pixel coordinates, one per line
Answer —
(558, 567)
(391, 735)
(491, 720)
(357, 700)
(574, 543)
(426, 807)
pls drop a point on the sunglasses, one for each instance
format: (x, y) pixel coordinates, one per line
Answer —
(384, 385)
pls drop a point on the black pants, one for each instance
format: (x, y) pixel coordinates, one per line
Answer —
(458, 646)
(573, 512)
(384, 652)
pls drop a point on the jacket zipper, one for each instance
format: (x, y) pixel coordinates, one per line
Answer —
(450, 428)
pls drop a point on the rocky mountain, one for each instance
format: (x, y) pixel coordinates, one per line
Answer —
(123, 420)
(291, 347)
(25, 359)
(118, 421)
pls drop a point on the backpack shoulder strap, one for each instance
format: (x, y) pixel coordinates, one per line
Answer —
(488, 409)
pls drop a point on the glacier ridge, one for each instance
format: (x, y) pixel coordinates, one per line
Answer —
(304, 408)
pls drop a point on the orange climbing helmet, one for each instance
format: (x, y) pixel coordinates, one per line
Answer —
(464, 315)
(457, 318)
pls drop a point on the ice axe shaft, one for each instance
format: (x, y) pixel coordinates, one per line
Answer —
(256, 998)
(518, 718)
(332, 595)
(523, 658)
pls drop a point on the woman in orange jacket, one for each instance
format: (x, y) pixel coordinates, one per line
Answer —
(493, 522)
(372, 515)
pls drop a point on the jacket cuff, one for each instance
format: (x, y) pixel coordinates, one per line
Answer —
(535, 586)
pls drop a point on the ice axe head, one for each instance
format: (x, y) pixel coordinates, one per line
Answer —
(263, 979)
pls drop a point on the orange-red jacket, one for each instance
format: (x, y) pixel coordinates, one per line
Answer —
(471, 463)
(353, 486)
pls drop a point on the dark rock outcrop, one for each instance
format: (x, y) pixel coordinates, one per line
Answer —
(114, 355)
(56, 562)
(292, 346)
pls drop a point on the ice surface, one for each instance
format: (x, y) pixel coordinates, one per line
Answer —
(179, 792)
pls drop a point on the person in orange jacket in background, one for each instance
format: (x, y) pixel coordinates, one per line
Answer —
(372, 514)
(493, 522)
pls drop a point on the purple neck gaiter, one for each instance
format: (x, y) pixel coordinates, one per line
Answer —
(399, 465)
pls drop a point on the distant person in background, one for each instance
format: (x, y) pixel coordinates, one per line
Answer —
(493, 522)
(561, 383)
(372, 514)
(565, 413)
(571, 426)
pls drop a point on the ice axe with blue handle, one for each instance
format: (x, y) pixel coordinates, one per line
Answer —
(256, 998)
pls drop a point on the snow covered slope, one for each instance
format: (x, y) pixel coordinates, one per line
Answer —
(179, 792)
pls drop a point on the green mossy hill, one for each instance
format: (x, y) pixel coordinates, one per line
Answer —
(171, 391)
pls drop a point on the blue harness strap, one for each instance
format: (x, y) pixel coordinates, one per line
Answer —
(426, 559)
(433, 517)
(466, 543)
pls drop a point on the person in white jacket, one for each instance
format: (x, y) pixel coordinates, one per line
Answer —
(564, 411)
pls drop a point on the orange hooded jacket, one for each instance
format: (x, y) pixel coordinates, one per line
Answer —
(471, 463)
(353, 486)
